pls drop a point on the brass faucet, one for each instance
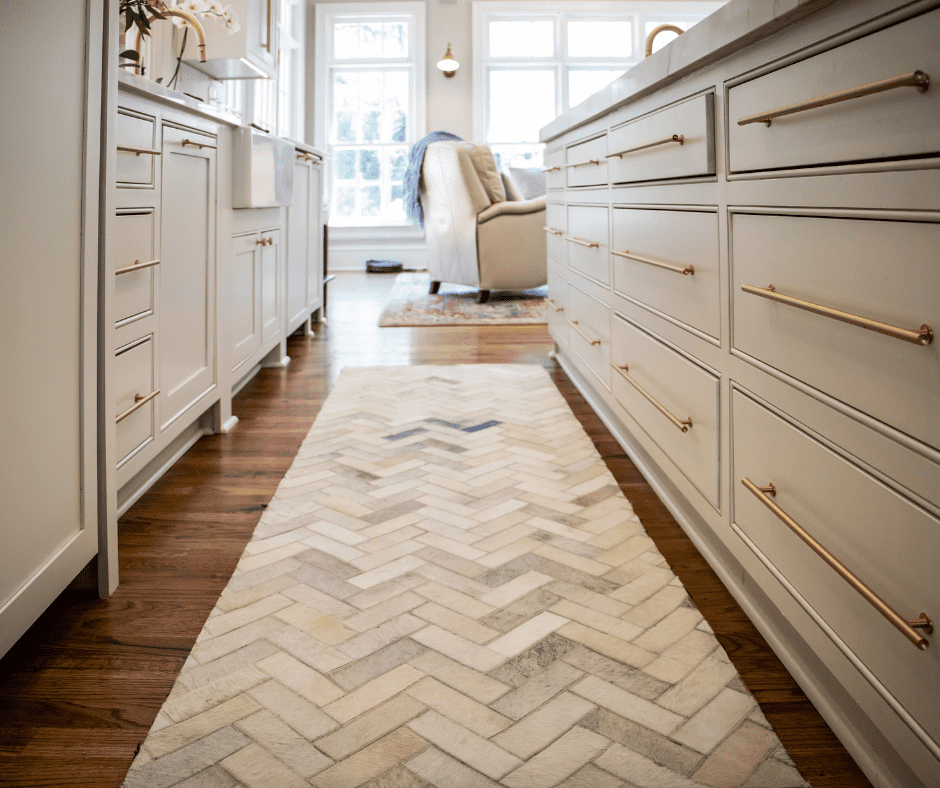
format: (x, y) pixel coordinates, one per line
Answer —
(194, 23)
(656, 32)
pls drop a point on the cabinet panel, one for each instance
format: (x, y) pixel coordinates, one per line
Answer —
(850, 265)
(134, 383)
(298, 244)
(187, 272)
(315, 249)
(270, 284)
(586, 163)
(589, 331)
(663, 245)
(555, 226)
(557, 298)
(678, 385)
(246, 297)
(884, 125)
(879, 535)
(134, 246)
(554, 169)
(587, 236)
(133, 167)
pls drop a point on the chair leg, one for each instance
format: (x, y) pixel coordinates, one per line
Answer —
(435, 286)
(483, 296)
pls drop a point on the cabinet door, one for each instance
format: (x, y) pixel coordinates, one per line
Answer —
(315, 241)
(187, 271)
(298, 246)
(246, 297)
(270, 284)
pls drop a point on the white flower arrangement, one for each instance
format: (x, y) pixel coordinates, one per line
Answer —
(212, 9)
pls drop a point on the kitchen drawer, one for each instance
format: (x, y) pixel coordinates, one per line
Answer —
(674, 400)
(901, 122)
(555, 224)
(587, 241)
(668, 261)
(675, 142)
(884, 271)
(135, 396)
(135, 167)
(589, 331)
(555, 169)
(135, 265)
(557, 298)
(587, 165)
(880, 536)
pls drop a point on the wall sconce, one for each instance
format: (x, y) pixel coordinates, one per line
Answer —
(448, 65)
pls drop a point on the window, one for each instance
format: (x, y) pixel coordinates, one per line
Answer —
(371, 69)
(532, 63)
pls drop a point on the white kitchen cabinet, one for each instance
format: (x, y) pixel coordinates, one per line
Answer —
(304, 286)
(248, 53)
(256, 307)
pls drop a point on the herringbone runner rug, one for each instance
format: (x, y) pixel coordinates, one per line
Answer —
(449, 589)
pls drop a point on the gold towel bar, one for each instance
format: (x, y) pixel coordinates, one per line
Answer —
(137, 266)
(139, 401)
(683, 425)
(922, 336)
(689, 270)
(585, 337)
(907, 627)
(554, 306)
(138, 151)
(916, 79)
(553, 231)
(674, 138)
(579, 242)
(199, 145)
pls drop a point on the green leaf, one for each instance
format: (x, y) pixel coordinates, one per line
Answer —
(130, 54)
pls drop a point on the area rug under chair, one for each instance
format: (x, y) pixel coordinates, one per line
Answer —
(410, 304)
(449, 589)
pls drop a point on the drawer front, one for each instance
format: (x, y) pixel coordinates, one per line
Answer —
(675, 142)
(587, 241)
(886, 125)
(134, 247)
(867, 526)
(555, 169)
(589, 331)
(133, 167)
(133, 380)
(556, 223)
(587, 165)
(879, 270)
(672, 383)
(673, 263)
(557, 299)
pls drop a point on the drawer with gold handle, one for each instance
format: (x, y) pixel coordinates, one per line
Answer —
(576, 326)
(135, 255)
(664, 141)
(587, 241)
(586, 164)
(587, 323)
(684, 425)
(686, 271)
(135, 395)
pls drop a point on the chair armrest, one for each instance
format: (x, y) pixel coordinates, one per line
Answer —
(511, 207)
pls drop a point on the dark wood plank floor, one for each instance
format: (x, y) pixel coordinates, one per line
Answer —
(80, 690)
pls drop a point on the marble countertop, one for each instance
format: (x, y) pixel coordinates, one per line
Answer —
(135, 84)
(731, 28)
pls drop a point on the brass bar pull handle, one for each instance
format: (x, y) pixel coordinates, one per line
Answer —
(582, 164)
(137, 266)
(922, 336)
(916, 79)
(139, 401)
(689, 270)
(553, 231)
(907, 627)
(580, 242)
(554, 306)
(556, 168)
(664, 141)
(199, 145)
(683, 425)
(579, 330)
(138, 151)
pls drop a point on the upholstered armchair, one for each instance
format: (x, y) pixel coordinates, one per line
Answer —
(477, 235)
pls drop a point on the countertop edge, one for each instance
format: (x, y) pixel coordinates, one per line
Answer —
(144, 87)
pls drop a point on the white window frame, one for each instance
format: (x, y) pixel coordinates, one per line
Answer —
(290, 57)
(415, 63)
(563, 11)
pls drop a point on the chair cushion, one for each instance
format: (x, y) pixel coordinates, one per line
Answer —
(485, 166)
(530, 183)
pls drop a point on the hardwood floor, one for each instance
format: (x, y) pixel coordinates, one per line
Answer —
(82, 687)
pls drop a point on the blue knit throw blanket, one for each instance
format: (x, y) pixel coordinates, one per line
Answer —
(413, 174)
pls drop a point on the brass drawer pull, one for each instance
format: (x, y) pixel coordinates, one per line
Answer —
(554, 306)
(553, 231)
(138, 151)
(307, 156)
(916, 79)
(137, 266)
(683, 425)
(579, 330)
(582, 164)
(922, 336)
(556, 168)
(664, 141)
(139, 401)
(199, 145)
(579, 242)
(907, 627)
(689, 270)
(265, 241)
